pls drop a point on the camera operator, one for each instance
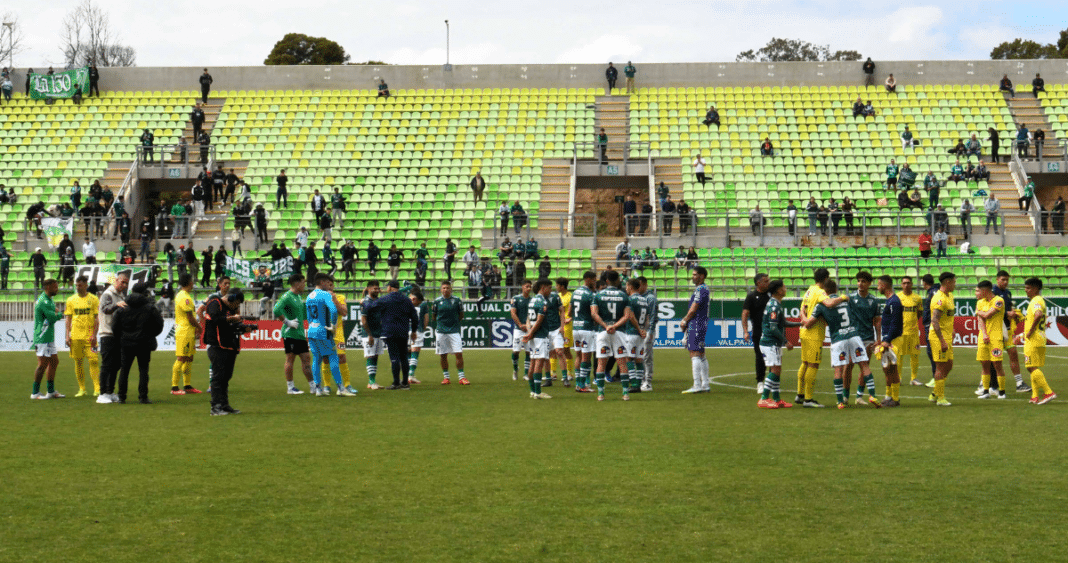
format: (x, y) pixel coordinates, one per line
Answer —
(222, 333)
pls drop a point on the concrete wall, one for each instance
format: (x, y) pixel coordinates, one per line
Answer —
(578, 76)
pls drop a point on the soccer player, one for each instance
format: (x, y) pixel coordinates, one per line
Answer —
(567, 333)
(812, 339)
(1034, 341)
(339, 339)
(422, 310)
(990, 312)
(446, 314)
(371, 333)
(290, 309)
(538, 336)
(519, 311)
(909, 341)
(846, 345)
(1012, 316)
(222, 289)
(634, 331)
(892, 321)
(930, 289)
(695, 325)
(940, 336)
(554, 320)
(82, 324)
(609, 312)
(772, 339)
(322, 322)
(865, 307)
(45, 317)
(187, 334)
(585, 337)
(752, 311)
(650, 333)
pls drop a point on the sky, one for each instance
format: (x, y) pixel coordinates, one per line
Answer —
(242, 33)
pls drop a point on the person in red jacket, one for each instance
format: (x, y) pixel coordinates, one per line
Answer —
(925, 244)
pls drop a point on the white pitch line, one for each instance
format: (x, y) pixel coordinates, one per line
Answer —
(753, 388)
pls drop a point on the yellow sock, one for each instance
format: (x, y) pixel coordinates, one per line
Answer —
(914, 365)
(94, 373)
(571, 367)
(1001, 383)
(79, 374)
(345, 374)
(940, 389)
(187, 373)
(810, 382)
(985, 379)
(552, 365)
(895, 391)
(801, 379)
(1039, 387)
(176, 373)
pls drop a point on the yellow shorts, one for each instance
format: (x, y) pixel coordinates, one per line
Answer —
(812, 351)
(80, 349)
(569, 337)
(1034, 355)
(992, 352)
(936, 351)
(906, 345)
(1009, 341)
(185, 344)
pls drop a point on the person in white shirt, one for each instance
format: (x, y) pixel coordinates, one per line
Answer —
(470, 258)
(623, 252)
(302, 237)
(966, 248)
(941, 239)
(699, 169)
(89, 251)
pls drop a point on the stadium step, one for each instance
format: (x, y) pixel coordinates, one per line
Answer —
(1028, 110)
(613, 114)
(1005, 191)
(555, 192)
(211, 115)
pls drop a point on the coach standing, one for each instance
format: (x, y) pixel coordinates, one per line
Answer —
(753, 310)
(136, 327)
(224, 344)
(399, 322)
(112, 300)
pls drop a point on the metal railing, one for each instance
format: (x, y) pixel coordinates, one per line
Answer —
(600, 154)
(167, 156)
(564, 225)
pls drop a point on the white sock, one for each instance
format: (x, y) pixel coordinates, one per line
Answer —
(1019, 379)
(705, 382)
(291, 385)
(695, 364)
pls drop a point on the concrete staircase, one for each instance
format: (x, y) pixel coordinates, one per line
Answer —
(211, 226)
(1004, 189)
(211, 115)
(670, 173)
(555, 193)
(115, 174)
(613, 114)
(1026, 109)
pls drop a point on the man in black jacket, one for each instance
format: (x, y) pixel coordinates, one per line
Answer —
(399, 321)
(611, 73)
(204, 140)
(94, 80)
(196, 117)
(218, 180)
(224, 344)
(261, 223)
(135, 328)
(205, 85)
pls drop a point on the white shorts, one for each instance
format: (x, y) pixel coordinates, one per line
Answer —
(848, 352)
(448, 344)
(46, 349)
(417, 342)
(772, 355)
(517, 341)
(556, 339)
(585, 341)
(611, 345)
(539, 349)
(375, 349)
(636, 347)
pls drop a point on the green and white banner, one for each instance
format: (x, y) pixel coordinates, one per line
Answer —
(55, 228)
(60, 84)
(248, 271)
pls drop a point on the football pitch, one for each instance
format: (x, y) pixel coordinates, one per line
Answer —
(484, 473)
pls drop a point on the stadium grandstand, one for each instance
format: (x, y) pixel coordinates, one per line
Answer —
(404, 164)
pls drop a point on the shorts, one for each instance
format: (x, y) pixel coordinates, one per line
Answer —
(992, 352)
(612, 345)
(295, 346)
(372, 350)
(1034, 355)
(847, 352)
(80, 349)
(556, 339)
(46, 349)
(695, 337)
(417, 342)
(449, 344)
(539, 349)
(517, 341)
(937, 355)
(569, 337)
(906, 345)
(636, 347)
(322, 347)
(185, 344)
(812, 351)
(585, 341)
(772, 355)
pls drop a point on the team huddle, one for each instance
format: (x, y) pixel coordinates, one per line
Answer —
(860, 332)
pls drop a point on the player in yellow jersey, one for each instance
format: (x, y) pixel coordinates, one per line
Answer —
(812, 339)
(941, 335)
(82, 324)
(340, 336)
(1012, 318)
(569, 335)
(187, 334)
(1034, 341)
(990, 311)
(908, 344)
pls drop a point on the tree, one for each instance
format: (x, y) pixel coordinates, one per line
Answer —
(10, 39)
(1023, 49)
(300, 49)
(88, 38)
(794, 50)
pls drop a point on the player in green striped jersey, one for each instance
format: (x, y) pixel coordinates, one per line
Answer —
(582, 323)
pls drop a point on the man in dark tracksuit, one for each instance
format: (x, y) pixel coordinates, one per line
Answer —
(400, 322)
(224, 344)
(136, 327)
(929, 289)
(218, 180)
(753, 310)
(205, 85)
(196, 117)
(611, 73)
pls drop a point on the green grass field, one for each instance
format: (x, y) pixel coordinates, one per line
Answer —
(483, 473)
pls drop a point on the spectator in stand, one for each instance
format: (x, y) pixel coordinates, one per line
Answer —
(766, 148)
(685, 216)
(691, 259)
(76, 195)
(281, 196)
(374, 254)
(145, 238)
(29, 73)
(791, 217)
(966, 210)
(858, 107)
(94, 79)
(908, 176)
(5, 265)
(196, 117)
(668, 211)
(519, 217)
(504, 213)
(1037, 85)
(1058, 216)
(311, 260)
(38, 262)
(924, 242)
(991, 207)
(383, 88)
(532, 249)
(891, 84)
(450, 257)
(602, 142)
(891, 175)
(220, 263)
(478, 186)
(545, 268)
(869, 72)
(662, 193)
(611, 73)
(994, 144)
(698, 170)
(89, 251)
(302, 237)
(470, 258)
(823, 217)
(7, 87)
(326, 223)
(204, 140)
(915, 199)
(206, 261)
(956, 174)
(711, 117)
(756, 220)
(125, 228)
(318, 206)
(1028, 194)
(974, 148)
(622, 251)
(650, 259)
(393, 260)
(337, 208)
(205, 86)
(261, 223)
(643, 220)
(519, 250)
(836, 215)
(67, 263)
(1040, 139)
(813, 210)
(959, 149)
(349, 256)
(680, 259)
(869, 109)
(847, 212)
(907, 140)
(941, 240)
(629, 71)
(505, 251)
(1023, 140)
(630, 215)
(1006, 86)
(147, 142)
(940, 218)
(218, 184)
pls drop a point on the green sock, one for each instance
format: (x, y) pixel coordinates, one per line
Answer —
(460, 374)
(36, 387)
(839, 390)
(775, 389)
(515, 361)
(51, 386)
(600, 382)
(563, 374)
(860, 388)
(530, 382)
(766, 394)
(536, 378)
